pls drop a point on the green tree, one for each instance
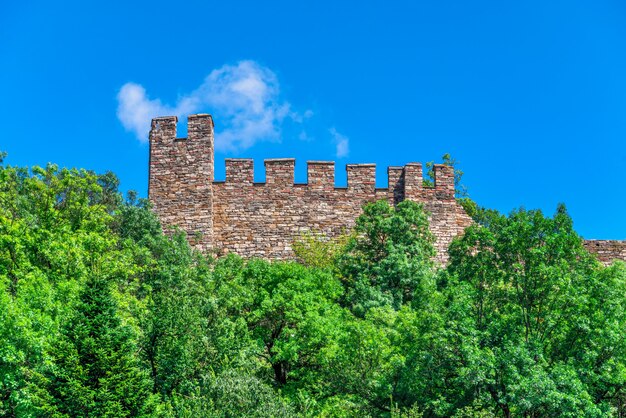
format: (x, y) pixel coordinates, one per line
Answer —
(369, 361)
(289, 310)
(94, 370)
(176, 325)
(531, 327)
(317, 250)
(388, 260)
(232, 394)
(53, 234)
(460, 189)
(103, 315)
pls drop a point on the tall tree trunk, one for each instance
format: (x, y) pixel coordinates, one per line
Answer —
(280, 372)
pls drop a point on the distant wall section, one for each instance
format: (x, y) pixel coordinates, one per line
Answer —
(607, 250)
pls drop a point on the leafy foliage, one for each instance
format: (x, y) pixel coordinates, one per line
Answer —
(530, 298)
(388, 261)
(446, 159)
(314, 249)
(103, 315)
(93, 369)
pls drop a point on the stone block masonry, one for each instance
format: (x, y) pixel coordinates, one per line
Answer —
(607, 250)
(263, 219)
(181, 176)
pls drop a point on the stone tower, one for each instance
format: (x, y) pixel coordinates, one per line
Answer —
(180, 183)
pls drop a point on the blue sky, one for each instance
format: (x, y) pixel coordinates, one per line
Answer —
(529, 96)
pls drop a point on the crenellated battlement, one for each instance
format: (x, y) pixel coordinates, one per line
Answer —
(280, 172)
(263, 219)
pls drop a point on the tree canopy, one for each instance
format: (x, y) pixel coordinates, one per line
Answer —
(102, 315)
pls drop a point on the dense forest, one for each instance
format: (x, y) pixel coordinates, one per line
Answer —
(102, 315)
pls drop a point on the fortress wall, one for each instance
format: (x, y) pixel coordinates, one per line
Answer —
(607, 250)
(263, 219)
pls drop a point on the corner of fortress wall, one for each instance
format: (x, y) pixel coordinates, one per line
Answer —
(181, 176)
(263, 219)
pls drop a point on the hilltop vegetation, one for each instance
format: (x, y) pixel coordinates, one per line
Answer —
(101, 315)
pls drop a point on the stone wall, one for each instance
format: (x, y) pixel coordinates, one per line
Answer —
(263, 219)
(181, 176)
(607, 250)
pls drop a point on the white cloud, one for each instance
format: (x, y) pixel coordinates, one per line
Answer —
(341, 143)
(135, 109)
(304, 136)
(244, 99)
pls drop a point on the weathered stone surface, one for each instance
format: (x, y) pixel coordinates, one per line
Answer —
(181, 175)
(607, 250)
(263, 219)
